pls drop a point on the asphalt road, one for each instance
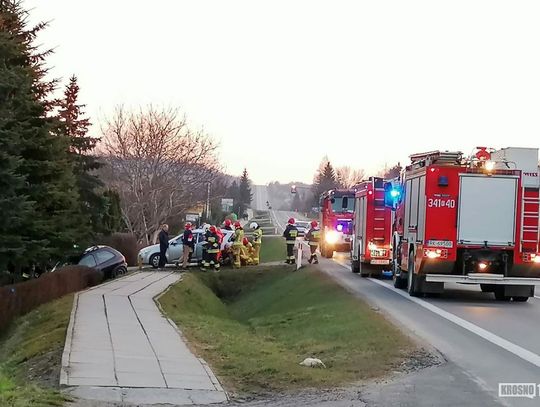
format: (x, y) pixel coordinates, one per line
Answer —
(485, 342)
(260, 197)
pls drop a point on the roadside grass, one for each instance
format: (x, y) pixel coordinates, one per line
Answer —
(255, 326)
(30, 356)
(273, 249)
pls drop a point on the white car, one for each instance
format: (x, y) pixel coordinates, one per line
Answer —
(150, 255)
(303, 227)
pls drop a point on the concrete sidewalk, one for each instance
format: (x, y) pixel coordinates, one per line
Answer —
(120, 348)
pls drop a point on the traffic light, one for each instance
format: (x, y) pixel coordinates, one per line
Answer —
(293, 189)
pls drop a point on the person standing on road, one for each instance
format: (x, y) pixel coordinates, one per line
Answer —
(163, 245)
(188, 245)
(257, 241)
(290, 234)
(237, 244)
(313, 237)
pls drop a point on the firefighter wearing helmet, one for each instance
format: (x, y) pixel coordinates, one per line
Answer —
(290, 234)
(237, 244)
(313, 236)
(212, 249)
(227, 225)
(257, 241)
(246, 255)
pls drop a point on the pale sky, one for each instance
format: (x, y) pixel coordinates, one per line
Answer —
(283, 83)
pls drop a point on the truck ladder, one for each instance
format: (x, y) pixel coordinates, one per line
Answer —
(530, 225)
(440, 157)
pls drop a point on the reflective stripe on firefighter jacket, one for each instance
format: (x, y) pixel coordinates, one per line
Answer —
(313, 236)
(290, 234)
(238, 237)
(257, 236)
(212, 245)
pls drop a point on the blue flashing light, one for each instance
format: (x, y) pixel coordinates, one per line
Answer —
(394, 193)
(339, 228)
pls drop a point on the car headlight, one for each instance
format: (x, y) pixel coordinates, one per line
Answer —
(331, 237)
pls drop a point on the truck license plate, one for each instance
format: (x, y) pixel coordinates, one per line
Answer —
(380, 261)
(440, 243)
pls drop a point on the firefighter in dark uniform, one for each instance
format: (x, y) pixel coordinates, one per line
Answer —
(290, 234)
(313, 236)
(212, 249)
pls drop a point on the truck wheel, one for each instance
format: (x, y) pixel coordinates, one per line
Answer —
(520, 299)
(411, 278)
(399, 281)
(365, 272)
(328, 252)
(499, 294)
(355, 266)
(487, 288)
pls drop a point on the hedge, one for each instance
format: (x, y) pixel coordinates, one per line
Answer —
(19, 299)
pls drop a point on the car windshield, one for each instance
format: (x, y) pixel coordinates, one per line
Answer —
(343, 204)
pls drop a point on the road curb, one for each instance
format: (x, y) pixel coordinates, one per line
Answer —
(66, 354)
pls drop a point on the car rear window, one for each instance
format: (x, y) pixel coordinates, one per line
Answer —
(104, 256)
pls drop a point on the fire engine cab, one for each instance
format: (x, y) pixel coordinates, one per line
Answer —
(337, 211)
(371, 244)
(468, 220)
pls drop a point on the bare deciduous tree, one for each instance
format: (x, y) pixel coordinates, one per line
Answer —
(348, 177)
(157, 164)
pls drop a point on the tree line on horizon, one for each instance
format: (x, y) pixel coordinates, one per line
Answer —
(326, 177)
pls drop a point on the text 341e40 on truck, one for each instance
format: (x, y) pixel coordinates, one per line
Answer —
(337, 211)
(371, 251)
(469, 220)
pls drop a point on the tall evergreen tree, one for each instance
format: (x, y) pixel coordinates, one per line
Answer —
(75, 126)
(234, 193)
(244, 192)
(325, 178)
(112, 220)
(43, 197)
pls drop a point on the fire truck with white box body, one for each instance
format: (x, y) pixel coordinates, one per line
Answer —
(337, 211)
(371, 245)
(473, 220)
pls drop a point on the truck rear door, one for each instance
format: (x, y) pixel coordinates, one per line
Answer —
(487, 208)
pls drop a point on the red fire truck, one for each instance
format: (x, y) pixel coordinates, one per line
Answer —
(371, 244)
(468, 220)
(337, 211)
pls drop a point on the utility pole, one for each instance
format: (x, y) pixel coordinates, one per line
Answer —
(208, 202)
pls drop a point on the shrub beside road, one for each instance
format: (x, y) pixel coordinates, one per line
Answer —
(255, 326)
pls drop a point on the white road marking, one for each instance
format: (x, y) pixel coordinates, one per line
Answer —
(517, 350)
(276, 219)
